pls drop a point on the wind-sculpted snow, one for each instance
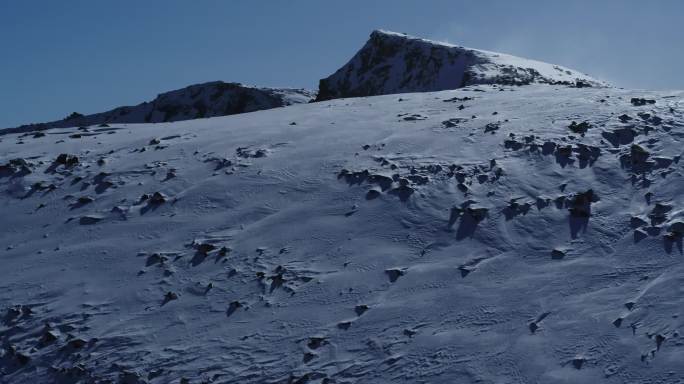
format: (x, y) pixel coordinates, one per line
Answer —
(396, 63)
(491, 234)
(194, 102)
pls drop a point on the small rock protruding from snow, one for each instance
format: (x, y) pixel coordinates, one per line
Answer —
(66, 160)
(395, 273)
(640, 101)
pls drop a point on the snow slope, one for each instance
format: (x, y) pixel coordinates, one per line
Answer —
(396, 63)
(193, 102)
(464, 236)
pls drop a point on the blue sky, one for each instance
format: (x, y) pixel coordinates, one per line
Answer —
(88, 56)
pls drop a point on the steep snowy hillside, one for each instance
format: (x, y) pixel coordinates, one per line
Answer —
(483, 235)
(196, 101)
(396, 63)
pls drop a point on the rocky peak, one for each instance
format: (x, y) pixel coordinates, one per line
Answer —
(392, 62)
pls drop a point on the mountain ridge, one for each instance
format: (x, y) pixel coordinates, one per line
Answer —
(388, 63)
(210, 99)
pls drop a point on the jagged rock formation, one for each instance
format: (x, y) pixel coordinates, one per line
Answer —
(397, 63)
(196, 101)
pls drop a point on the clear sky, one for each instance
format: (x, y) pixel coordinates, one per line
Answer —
(59, 56)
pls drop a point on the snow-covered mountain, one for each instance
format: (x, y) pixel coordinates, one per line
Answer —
(488, 234)
(397, 63)
(193, 102)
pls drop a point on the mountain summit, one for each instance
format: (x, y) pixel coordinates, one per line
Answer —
(392, 62)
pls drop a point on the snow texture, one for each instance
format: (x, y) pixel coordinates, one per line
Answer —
(397, 63)
(472, 236)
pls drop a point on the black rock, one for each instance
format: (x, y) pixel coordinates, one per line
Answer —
(157, 198)
(580, 204)
(557, 254)
(344, 325)
(372, 194)
(85, 200)
(636, 101)
(394, 274)
(580, 128)
(205, 248)
(577, 362)
(316, 342)
(533, 327)
(638, 154)
(67, 160)
(360, 309)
